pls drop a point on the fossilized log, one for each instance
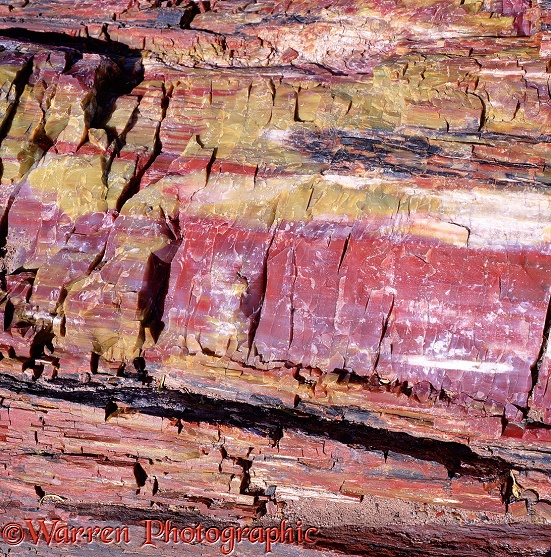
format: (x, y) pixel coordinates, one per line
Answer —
(279, 260)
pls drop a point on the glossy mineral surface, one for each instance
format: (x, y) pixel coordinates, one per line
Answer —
(280, 260)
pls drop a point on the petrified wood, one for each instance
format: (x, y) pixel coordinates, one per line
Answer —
(277, 261)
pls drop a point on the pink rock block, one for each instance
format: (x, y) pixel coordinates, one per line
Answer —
(413, 310)
(16, 337)
(215, 288)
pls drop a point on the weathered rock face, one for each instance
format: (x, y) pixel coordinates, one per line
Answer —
(279, 260)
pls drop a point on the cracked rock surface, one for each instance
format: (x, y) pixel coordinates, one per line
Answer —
(267, 260)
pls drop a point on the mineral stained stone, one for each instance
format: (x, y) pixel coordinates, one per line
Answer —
(268, 261)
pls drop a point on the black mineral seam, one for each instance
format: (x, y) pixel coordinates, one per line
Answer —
(192, 408)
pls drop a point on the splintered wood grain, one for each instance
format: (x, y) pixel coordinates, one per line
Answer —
(278, 261)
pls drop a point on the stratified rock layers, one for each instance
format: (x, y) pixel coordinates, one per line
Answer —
(331, 213)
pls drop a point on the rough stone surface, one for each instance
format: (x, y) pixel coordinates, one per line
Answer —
(278, 260)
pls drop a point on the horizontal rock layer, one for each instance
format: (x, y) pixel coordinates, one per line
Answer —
(334, 215)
